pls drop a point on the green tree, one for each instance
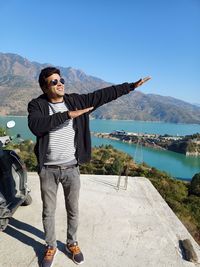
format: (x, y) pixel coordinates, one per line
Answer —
(105, 155)
(117, 166)
(194, 188)
(2, 131)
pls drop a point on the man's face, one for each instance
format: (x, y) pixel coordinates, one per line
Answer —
(54, 88)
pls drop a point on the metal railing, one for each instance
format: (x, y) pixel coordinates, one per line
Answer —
(125, 185)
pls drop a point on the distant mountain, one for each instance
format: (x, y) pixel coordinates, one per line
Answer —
(196, 104)
(19, 82)
(18, 85)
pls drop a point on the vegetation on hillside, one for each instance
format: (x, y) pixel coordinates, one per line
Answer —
(182, 197)
(2, 131)
(189, 145)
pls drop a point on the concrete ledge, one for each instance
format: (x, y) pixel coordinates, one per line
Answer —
(118, 228)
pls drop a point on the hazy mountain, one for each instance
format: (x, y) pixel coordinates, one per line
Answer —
(18, 85)
(196, 104)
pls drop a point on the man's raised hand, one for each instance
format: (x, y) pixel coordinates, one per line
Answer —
(141, 81)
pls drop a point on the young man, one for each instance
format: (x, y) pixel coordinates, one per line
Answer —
(60, 122)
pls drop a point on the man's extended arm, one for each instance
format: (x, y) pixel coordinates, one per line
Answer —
(40, 124)
(100, 97)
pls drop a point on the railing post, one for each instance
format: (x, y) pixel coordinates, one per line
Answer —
(124, 172)
(118, 182)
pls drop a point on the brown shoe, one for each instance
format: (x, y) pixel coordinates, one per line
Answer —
(74, 253)
(49, 257)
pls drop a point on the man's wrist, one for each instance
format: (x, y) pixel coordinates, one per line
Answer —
(132, 86)
(68, 115)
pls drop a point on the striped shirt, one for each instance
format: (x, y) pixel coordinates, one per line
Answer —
(61, 148)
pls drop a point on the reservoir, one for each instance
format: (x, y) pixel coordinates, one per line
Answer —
(177, 165)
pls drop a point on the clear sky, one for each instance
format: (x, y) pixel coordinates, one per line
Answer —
(115, 40)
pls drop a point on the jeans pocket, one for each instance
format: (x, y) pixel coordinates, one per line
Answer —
(41, 173)
(78, 170)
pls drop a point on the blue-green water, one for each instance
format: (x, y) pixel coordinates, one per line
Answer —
(176, 164)
(144, 127)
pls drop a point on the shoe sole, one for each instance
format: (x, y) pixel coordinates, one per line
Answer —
(70, 255)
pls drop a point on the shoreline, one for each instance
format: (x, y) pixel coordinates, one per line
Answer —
(154, 141)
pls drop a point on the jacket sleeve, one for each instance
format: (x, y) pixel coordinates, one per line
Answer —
(41, 124)
(105, 95)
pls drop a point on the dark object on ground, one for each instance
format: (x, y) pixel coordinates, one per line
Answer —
(13, 186)
(187, 250)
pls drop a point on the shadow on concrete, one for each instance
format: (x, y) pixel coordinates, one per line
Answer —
(61, 247)
(15, 233)
(38, 247)
(26, 227)
(105, 183)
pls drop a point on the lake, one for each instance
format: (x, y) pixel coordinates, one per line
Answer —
(176, 164)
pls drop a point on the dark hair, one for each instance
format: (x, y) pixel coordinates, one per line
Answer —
(45, 73)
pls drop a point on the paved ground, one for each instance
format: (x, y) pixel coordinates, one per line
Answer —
(125, 228)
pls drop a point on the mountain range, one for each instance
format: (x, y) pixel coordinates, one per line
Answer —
(19, 84)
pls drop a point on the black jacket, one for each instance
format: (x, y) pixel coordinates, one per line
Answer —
(40, 122)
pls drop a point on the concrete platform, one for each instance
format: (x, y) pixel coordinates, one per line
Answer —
(118, 228)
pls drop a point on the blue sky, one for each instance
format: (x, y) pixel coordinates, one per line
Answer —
(114, 40)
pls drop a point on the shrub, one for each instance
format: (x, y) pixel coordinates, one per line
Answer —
(194, 188)
(2, 131)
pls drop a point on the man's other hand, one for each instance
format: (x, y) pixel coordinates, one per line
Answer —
(77, 113)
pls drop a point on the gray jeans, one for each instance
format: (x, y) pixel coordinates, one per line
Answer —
(70, 180)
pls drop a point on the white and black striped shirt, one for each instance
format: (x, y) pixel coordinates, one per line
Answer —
(61, 149)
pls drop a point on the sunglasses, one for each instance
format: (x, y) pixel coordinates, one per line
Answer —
(56, 81)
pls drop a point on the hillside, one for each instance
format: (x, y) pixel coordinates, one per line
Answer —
(18, 85)
(183, 199)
